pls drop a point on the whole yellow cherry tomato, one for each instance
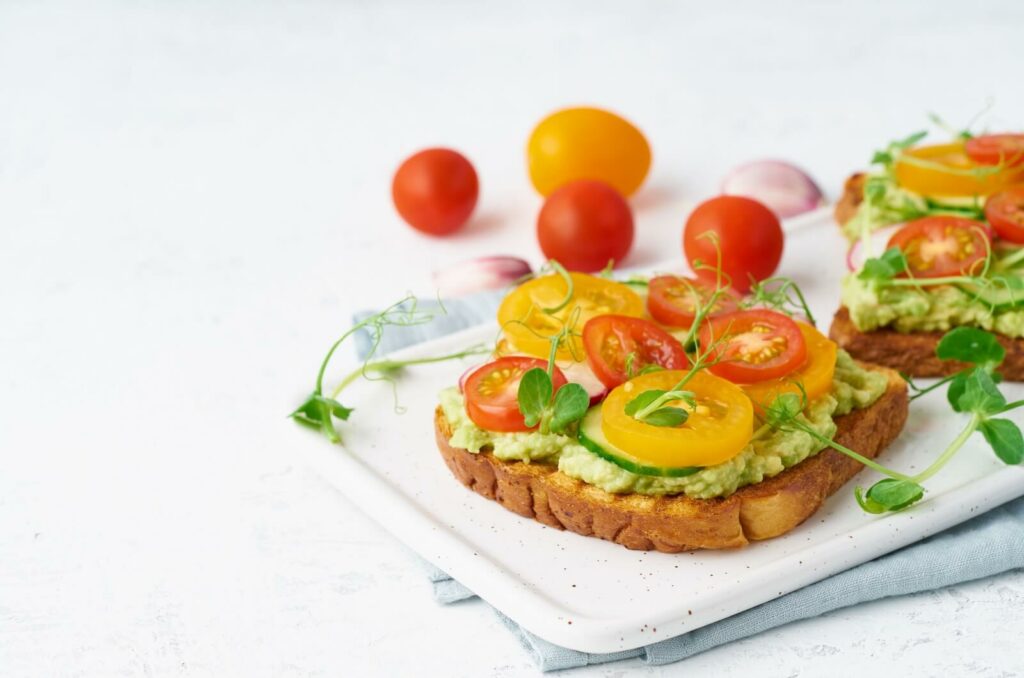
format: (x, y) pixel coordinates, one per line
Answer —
(587, 143)
(815, 376)
(717, 429)
(948, 172)
(526, 325)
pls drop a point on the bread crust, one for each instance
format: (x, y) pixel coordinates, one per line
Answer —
(850, 200)
(678, 523)
(913, 353)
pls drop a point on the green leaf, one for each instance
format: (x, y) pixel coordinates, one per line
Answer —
(869, 505)
(1011, 282)
(981, 394)
(647, 369)
(317, 411)
(956, 389)
(894, 495)
(571, 403)
(1005, 438)
(971, 345)
(317, 408)
(886, 267)
(911, 140)
(667, 416)
(643, 400)
(534, 395)
(881, 158)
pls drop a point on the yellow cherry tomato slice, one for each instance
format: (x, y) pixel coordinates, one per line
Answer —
(716, 431)
(526, 325)
(815, 376)
(947, 173)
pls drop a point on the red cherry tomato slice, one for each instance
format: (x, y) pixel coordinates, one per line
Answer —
(997, 149)
(1005, 211)
(492, 392)
(936, 247)
(754, 345)
(610, 339)
(673, 300)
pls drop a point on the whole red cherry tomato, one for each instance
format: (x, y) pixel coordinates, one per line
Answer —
(748, 234)
(584, 225)
(435, 190)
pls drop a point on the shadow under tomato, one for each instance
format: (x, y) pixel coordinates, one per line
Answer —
(483, 224)
(653, 197)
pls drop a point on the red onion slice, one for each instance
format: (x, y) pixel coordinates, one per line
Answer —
(856, 255)
(476, 275)
(784, 188)
(580, 373)
(465, 375)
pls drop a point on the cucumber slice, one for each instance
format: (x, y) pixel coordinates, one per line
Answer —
(960, 203)
(592, 438)
(999, 298)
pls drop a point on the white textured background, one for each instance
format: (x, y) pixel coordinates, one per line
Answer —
(194, 196)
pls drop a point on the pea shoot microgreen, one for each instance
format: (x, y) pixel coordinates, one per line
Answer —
(569, 287)
(551, 411)
(319, 411)
(885, 202)
(891, 269)
(781, 294)
(778, 293)
(973, 391)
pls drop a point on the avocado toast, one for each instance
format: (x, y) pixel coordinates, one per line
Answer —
(671, 456)
(937, 233)
(674, 523)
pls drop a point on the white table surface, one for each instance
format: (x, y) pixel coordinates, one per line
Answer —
(194, 197)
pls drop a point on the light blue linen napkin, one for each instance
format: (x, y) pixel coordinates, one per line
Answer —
(989, 544)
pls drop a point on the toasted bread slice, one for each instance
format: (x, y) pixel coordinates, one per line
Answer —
(913, 353)
(852, 197)
(678, 523)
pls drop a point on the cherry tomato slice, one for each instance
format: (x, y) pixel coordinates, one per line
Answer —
(672, 300)
(754, 345)
(1005, 211)
(527, 326)
(948, 171)
(941, 246)
(813, 379)
(717, 429)
(997, 149)
(492, 392)
(610, 339)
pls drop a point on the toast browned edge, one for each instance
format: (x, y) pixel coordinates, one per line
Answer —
(678, 523)
(913, 353)
(850, 200)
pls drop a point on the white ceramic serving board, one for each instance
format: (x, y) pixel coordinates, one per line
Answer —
(595, 596)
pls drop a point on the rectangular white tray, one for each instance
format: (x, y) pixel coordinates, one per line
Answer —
(595, 596)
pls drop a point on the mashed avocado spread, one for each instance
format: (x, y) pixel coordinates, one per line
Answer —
(852, 388)
(909, 309)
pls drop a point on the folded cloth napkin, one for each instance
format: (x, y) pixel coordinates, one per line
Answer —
(981, 547)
